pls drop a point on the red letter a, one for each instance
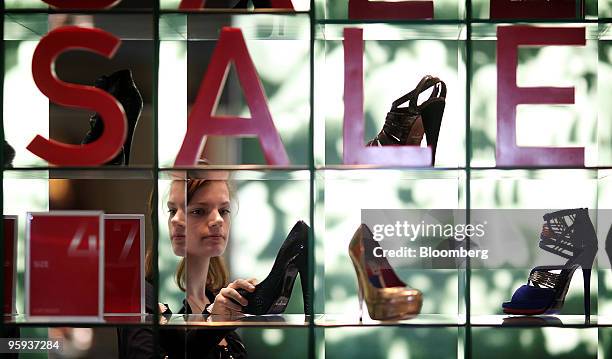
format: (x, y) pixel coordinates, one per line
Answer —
(201, 122)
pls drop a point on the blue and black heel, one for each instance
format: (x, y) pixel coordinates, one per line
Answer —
(569, 234)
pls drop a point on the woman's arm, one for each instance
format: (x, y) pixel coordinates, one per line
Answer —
(137, 342)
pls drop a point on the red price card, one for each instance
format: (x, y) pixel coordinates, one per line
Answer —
(10, 256)
(64, 265)
(124, 250)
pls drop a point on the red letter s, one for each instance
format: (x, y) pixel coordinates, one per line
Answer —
(79, 96)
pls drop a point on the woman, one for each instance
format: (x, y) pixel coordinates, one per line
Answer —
(199, 231)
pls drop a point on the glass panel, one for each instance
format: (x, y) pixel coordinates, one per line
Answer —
(523, 237)
(396, 57)
(341, 196)
(285, 80)
(392, 343)
(535, 343)
(259, 211)
(132, 88)
(539, 125)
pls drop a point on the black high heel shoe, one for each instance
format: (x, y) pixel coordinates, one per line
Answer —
(569, 234)
(406, 126)
(272, 294)
(9, 155)
(121, 85)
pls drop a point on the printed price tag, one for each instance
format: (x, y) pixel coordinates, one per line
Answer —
(64, 264)
(10, 254)
(124, 264)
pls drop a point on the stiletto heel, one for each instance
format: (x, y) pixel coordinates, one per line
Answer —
(431, 114)
(359, 295)
(272, 294)
(303, 271)
(121, 85)
(569, 234)
(405, 126)
(386, 296)
(586, 275)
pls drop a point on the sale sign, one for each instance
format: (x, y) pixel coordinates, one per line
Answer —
(10, 256)
(64, 265)
(124, 250)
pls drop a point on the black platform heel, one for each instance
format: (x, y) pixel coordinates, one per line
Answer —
(569, 234)
(121, 85)
(405, 126)
(272, 294)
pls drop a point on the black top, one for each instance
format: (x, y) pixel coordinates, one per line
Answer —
(137, 343)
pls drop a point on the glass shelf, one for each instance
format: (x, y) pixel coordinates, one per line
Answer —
(239, 173)
(394, 31)
(344, 320)
(249, 168)
(365, 168)
(488, 31)
(534, 321)
(206, 26)
(79, 173)
(373, 172)
(281, 320)
(534, 173)
(34, 26)
(320, 320)
(604, 320)
(108, 320)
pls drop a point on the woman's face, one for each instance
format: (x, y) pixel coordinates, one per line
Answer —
(201, 229)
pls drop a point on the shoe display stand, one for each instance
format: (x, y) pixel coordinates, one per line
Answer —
(300, 58)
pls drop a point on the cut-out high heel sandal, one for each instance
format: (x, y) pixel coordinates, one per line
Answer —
(405, 126)
(386, 296)
(272, 294)
(121, 85)
(569, 234)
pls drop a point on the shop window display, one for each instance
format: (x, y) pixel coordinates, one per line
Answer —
(311, 129)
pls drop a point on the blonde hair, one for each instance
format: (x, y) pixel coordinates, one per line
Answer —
(218, 275)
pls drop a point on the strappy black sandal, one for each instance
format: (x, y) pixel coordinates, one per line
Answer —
(569, 234)
(405, 126)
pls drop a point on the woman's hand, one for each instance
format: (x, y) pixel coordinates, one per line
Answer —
(224, 305)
